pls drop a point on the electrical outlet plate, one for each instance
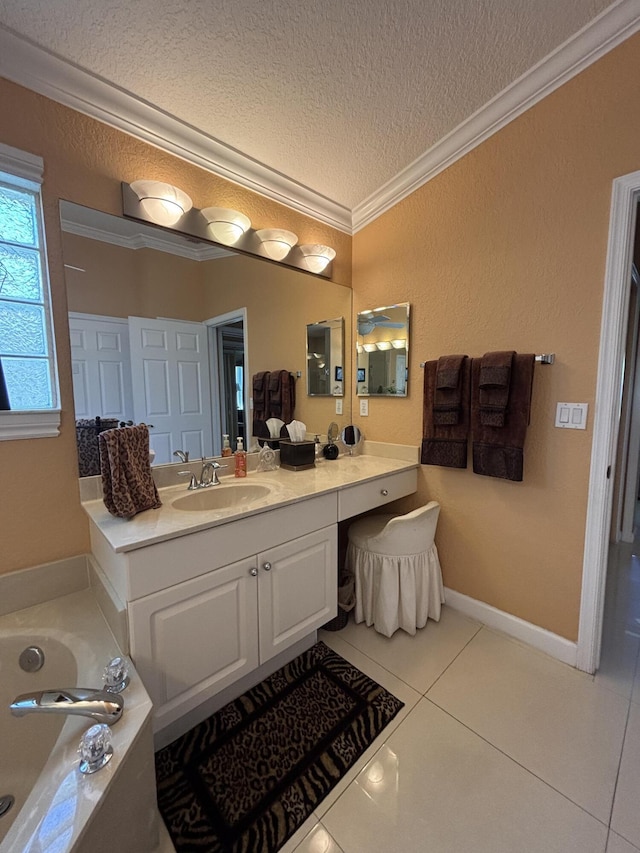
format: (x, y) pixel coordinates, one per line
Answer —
(339, 406)
(364, 408)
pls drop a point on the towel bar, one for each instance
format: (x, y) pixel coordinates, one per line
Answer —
(543, 358)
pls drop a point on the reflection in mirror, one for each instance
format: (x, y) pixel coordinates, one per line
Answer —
(220, 316)
(351, 437)
(382, 345)
(325, 358)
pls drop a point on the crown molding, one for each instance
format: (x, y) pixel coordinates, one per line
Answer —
(609, 29)
(139, 240)
(30, 65)
(34, 67)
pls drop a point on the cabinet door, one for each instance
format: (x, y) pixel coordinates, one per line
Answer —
(195, 638)
(297, 589)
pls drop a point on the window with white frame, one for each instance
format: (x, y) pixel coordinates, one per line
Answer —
(28, 376)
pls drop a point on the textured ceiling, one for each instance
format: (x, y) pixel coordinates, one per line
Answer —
(338, 96)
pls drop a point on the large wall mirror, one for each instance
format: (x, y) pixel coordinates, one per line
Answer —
(325, 358)
(169, 330)
(382, 346)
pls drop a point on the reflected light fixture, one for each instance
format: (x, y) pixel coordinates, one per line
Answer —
(384, 344)
(399, 343)
(317, 256)
(369, 347)
(226, 226)
(276, 242)
(163, 203)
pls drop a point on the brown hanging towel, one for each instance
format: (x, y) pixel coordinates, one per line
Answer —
(260, 385)
(499, 451)
(494, 384)
(127, 484)
(288, 385)
(445, 444)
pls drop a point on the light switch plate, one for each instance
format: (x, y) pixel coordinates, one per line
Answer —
(571, 415)
(364, 407)
(339, 406)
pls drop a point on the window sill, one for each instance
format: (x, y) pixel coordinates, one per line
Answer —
(35, 424)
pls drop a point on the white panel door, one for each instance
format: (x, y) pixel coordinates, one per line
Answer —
(101, 367)
(171, 390)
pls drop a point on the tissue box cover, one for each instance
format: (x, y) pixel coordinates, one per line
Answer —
(296, 455)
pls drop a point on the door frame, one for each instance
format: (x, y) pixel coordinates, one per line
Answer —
(613, 332)
(212, 324)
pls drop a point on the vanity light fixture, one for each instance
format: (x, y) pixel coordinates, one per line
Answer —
(369, 347)
(276, 242)
(226, 226)
(399, 343)
(383, 345)
(163, 203)
(317, 256)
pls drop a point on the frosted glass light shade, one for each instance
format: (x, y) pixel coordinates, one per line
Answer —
(163, 203)
(370, 347)
(383, 345)
(276, 242)
(226, 226)
(317, 256)
(399, 343)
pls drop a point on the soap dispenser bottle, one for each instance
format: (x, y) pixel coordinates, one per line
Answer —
(318, 450)
(241, 459)
(226, 447)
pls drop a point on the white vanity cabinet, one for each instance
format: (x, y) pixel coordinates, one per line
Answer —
(191, 640)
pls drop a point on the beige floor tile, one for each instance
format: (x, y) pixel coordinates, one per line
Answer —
(436, 786)
(420, 659)
(387, 680)
(298, 837)
(616, 844)
(318, 840)
(625, 819)
(548, 717)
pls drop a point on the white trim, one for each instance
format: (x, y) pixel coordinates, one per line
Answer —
(40, 424)
(613, 330)
(44, 72)
(609, 29)
(21, 164)
(539, 638)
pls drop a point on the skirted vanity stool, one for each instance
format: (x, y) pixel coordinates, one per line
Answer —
(397, 570)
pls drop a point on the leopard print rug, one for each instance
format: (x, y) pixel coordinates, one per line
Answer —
(245, 779)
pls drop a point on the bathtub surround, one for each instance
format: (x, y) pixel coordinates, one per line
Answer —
(250, 775)
(57, 805)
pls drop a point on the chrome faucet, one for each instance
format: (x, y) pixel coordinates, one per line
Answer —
(183, 455)
(208, 475)
(101, 706)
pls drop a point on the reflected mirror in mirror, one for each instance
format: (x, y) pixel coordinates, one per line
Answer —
(325, 358)
(169, 330)
(351, 437)
(382, 345)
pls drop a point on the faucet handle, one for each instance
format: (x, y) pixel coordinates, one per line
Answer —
(95, 748)
(193, 484)
(116, 675)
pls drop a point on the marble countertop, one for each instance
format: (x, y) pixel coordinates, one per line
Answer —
(286, 487)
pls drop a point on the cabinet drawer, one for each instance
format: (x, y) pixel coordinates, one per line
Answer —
(365, 496)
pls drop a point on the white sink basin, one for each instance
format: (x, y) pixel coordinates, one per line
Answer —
(221, 497)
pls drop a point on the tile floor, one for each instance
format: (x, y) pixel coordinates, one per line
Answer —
(499, 748)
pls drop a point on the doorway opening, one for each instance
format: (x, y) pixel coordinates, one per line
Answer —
(229, 370)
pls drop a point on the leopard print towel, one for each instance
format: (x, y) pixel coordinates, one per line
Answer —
(127, 484)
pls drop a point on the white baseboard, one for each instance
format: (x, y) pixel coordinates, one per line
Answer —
(539, 638)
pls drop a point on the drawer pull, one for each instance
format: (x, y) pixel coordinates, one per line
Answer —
(384, 492)
(253, 573)
(266, 567)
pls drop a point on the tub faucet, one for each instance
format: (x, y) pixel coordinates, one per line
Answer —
(183, 455)
(101, 706)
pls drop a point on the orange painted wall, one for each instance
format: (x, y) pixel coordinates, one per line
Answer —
(506, 250)
(40, 515)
